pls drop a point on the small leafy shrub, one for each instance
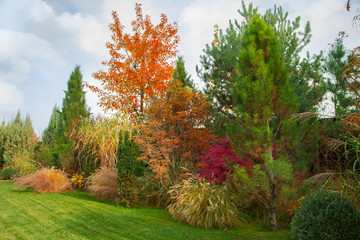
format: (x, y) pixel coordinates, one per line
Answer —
(220, 160)
(7, 173)
(77, 181)
(103, 185)
(199, 203)
(327, 216)
(45, 180)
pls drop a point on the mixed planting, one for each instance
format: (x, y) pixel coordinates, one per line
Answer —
(251, 146)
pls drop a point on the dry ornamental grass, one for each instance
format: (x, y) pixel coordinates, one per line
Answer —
(45, 180)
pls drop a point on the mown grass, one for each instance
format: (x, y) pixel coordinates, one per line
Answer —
(28, 215)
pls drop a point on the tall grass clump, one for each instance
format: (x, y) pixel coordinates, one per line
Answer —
(45, 180)
(201, 204)
(326, 216)
(103, 184)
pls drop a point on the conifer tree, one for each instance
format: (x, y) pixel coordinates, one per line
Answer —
(219, 60)
(181, 75)
(73, 109)
(335, 65)
(263, 102)
(74, 104)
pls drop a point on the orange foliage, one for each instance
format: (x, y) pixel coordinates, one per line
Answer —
(140, 66)
(352, 75)
(173, 134)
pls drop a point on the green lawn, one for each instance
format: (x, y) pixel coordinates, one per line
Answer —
(27, 215)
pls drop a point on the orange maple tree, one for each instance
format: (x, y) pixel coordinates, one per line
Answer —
(173, 134)
(141, 64)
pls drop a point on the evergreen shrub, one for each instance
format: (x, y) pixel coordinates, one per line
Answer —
(7, 173)
(324, 215)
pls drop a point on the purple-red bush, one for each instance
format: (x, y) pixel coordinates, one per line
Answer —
(219, 161)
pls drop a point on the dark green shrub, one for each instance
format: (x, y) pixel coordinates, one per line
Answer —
(7, 173)
(324, 215)
(128, 169)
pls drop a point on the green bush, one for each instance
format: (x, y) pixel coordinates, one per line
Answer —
(7, 173)
(324, 215)
(128, 168)
(199, 203)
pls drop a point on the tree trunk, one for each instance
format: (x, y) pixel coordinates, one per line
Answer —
(273, 207)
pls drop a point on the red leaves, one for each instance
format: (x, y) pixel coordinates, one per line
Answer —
(140, 66)
(219, 160)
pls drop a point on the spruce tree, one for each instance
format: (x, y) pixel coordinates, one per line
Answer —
(263, 101)
(74, 104)
(73, 109)
(181, 75)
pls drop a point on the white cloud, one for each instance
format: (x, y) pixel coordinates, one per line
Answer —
(40, 11)
(89, 34)
(10, 98)
(26, 45)
(19, 68)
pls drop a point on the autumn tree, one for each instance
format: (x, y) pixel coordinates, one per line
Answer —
(173, 133)
(140, 66)
(263, 101)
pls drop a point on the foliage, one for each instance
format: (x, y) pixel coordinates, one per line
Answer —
(151, 191)
(74, 105)
(98, 138)
(352, 74)
(335, 65)
(52, 136)
(18, 141)
(201, 204)
(219, 160)
(219, 62)
(324, 215)
(103, 184)
(77, 181)
(181, 75)
(45, 180)
(128, 168)
(75, 215)
(7, 173)
(23, 162)
(263, 101)
(173, 133)
(73, 109)
(140, 66)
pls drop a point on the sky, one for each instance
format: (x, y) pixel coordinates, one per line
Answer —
(41, 41)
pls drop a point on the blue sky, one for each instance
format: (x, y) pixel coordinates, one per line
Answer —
(41, 41)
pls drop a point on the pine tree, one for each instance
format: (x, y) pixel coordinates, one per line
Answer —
(335, 65)
(263, 102)
(219, 61)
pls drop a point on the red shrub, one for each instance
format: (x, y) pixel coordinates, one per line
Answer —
(219, 160)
